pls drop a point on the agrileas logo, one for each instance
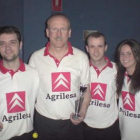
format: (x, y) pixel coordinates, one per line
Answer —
(15, 102)
(61, 81)
(98, 91)
(128, 101)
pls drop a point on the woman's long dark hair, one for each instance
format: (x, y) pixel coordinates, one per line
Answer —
(135, 80)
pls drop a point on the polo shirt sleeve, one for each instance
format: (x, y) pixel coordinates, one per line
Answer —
(85, 74)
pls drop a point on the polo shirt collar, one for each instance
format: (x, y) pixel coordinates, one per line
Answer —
(109, 64)
(127, 76)
(4, 70)
(46, 52)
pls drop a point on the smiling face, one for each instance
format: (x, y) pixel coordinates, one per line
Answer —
(9, 47)
(58, 32)
(96, 48)
(127, 58)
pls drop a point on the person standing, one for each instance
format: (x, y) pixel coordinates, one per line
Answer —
(127, 58)
(62, 68)
(18, 88)
(101, 120)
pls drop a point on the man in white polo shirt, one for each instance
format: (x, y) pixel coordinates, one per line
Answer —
(62, 68)
(18, 88)
(101, 119)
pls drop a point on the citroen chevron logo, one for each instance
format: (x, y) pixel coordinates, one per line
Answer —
(98, 91)
(61, 81)
(128, 101)
(15, 102)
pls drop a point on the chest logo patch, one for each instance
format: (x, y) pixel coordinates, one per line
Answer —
(15, 102)
(98, 91)
(61, 81)
(128, 101)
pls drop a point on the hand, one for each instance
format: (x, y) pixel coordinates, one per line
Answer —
(1, 125)
(80, 119)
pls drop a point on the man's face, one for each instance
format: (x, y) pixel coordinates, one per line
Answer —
(96, 48)
(58, 32)
(9, 47)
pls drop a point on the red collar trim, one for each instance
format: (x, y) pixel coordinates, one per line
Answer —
(109, 64)
(46, 52)
(4, 70)
(126, 74)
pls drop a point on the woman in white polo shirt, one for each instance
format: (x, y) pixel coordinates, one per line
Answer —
(127, 57)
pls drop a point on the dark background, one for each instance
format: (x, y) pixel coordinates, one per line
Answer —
(117, 19)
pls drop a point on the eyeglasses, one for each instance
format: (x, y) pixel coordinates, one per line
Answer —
(55, 30)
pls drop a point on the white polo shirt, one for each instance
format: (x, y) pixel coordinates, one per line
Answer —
(18, 92)
(59, 81)
(102, 111)
(129, 113)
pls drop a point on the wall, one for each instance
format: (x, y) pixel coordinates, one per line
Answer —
(11, 13)
(35, 14)
(118, 20)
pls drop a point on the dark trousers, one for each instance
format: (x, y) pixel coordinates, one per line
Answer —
(49, 129)
(26, 136)
(110, 133)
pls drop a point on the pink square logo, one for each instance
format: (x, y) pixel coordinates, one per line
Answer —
(15, 102)
(98, 91)
(61, 81)
(128, 101)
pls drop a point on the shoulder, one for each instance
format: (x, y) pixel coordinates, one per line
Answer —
(36, 56)
(113, 66)
(30, 69)
(77, 51)
(113, 63)
(39, 52)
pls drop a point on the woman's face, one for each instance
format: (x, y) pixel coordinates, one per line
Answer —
(127, 59)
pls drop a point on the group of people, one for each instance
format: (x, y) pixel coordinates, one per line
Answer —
(41, 96)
